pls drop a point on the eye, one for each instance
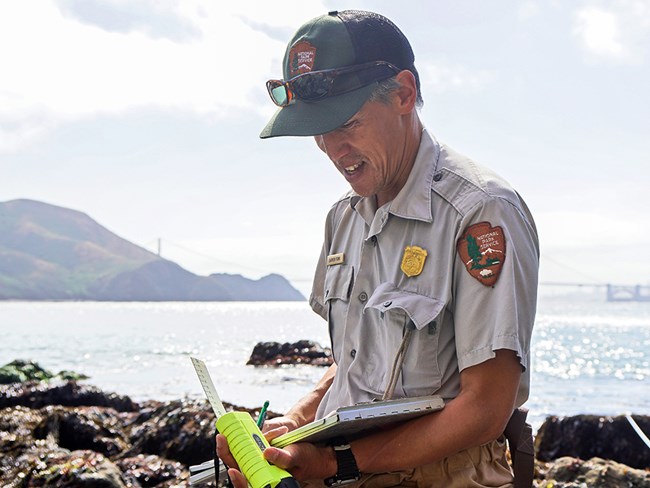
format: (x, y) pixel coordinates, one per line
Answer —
(349, 124)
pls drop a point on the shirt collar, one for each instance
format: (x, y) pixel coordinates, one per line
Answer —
(414, 199)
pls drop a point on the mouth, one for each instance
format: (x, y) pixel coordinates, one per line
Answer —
(350, 170)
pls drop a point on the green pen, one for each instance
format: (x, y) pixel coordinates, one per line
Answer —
(262, 417)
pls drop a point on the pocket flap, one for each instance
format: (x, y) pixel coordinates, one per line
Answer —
(338, 280)
(421, 309)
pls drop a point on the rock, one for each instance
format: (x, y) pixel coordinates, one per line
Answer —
(180, 430)
(152, 470)
(301, 352)
(571, 472)
(20, 371)
(69, 446)
(17, 426)
(29, 467)
(71, 394)
(92, 428)
(62, 468)
(80, 469)
(589, 436)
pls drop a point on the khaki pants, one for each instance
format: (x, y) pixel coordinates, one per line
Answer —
(479, 467)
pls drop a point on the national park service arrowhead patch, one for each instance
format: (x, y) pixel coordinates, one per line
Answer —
(483, 251)
(301, 58)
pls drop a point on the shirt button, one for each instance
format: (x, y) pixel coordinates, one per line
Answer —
(353, 353)
(437, 177)
(363, 296)
(388, 303)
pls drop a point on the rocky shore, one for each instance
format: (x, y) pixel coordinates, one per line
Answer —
(63, 433)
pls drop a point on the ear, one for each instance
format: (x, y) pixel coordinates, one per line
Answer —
(407, 93)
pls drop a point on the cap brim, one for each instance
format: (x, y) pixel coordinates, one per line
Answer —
(315, 118)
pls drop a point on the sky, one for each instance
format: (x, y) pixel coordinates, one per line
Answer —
(146, 114)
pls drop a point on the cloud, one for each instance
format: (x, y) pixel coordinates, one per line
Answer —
(599, 32)
(68, 60)
(156, 19)
(616, 31)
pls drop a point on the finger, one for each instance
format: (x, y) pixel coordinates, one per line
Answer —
(223, 452)
(237, 478)
(276, 432)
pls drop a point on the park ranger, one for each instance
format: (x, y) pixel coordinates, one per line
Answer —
(427, 277)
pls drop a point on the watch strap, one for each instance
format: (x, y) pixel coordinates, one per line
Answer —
(347, 470)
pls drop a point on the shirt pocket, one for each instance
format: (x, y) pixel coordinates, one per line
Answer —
(397, 309)
(338, 285)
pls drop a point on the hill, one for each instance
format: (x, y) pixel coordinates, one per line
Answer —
(54, 253)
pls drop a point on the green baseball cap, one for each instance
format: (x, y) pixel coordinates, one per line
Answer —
(343, 39)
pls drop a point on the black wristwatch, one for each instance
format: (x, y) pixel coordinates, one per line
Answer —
(346, 470)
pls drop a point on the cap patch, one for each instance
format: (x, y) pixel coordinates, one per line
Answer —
(483, 251)
(301, 58)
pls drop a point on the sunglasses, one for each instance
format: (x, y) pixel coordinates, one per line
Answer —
(315, 85)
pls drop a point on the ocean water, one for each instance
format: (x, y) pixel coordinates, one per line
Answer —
(589, 355)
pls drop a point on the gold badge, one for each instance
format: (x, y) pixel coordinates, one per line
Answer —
(413, 260)
(334, 259)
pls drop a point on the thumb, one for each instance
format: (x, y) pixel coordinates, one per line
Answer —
(279, 457)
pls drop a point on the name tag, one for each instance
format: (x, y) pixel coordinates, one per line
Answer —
(334, 259)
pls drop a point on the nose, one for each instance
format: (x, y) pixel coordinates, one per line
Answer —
(333, 144)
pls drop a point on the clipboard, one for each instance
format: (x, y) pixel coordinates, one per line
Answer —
(350, 422)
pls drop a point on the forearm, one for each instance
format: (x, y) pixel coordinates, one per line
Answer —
(424, 440)
(478, 415)
(304, 411)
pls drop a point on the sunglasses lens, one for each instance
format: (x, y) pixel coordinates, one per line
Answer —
(279, 95)
(278, 92)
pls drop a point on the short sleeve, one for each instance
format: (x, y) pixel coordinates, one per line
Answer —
(495, 282)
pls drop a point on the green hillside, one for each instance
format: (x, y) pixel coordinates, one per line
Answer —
(54, 253)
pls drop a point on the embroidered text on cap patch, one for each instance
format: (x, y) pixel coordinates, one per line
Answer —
(301, 58)
(483, 251)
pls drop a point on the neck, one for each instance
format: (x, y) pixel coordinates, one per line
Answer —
(411, 145)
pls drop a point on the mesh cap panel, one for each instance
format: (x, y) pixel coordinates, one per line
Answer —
(376, 38)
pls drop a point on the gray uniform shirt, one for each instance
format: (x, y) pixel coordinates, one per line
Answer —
(467, 226)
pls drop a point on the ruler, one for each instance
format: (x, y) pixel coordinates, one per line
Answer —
(208, 387)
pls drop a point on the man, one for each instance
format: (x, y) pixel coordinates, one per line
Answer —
(427, 278)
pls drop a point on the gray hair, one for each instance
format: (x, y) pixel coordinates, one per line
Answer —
(384, 89)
